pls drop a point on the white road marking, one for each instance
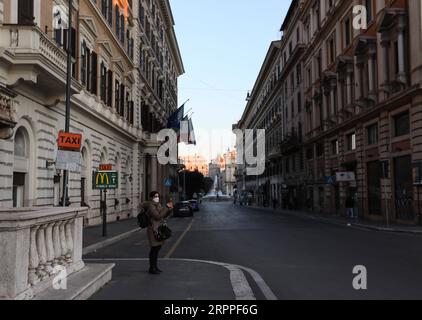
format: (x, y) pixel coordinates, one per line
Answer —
(240, 284)
(174, 247)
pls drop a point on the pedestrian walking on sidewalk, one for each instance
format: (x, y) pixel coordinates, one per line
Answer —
(350, 207)
(157, 215)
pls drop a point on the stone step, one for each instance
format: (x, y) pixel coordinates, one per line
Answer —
(82, 284)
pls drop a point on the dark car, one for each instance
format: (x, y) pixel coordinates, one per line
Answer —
(194, 205)
(183, 209)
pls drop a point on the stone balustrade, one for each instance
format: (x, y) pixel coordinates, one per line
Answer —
(29, 42)
(35, 246)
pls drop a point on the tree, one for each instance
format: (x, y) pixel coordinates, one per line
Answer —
(208, 184)
(195, 182)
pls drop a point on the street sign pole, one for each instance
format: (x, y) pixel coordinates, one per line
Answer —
(68, 93)
(105, 214)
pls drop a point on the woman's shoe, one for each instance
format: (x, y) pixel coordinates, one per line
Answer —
(154, 271)
(160, 271)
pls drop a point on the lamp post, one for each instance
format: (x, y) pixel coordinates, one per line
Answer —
(68, 96)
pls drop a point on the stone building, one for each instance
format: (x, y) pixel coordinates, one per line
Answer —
(360, 89)
(124, 86)
(264, 111)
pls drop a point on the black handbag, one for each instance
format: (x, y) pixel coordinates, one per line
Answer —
(163, 233)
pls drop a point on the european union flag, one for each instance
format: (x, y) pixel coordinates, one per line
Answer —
(176, 118)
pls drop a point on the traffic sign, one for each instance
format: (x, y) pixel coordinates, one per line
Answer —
(102, 180)
(330, 180)
(69, 141)
(68, 160)
(345, 176)
(106, 167)
(168, 182)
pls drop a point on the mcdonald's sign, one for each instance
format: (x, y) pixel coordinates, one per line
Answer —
(105, 180)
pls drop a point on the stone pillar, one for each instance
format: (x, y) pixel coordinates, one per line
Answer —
(333, 85)
(385, 44)
(401, 48)
(371, 74)
(349, 85)
(360, 65)
(154, 173)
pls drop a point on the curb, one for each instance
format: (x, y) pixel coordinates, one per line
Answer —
(109, 242)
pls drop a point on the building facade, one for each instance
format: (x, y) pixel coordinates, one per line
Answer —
(264, 111)
(360, 106)
(125, 65)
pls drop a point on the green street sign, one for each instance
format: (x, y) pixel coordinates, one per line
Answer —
(102, 180)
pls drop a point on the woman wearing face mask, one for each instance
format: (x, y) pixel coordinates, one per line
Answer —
(157, 213)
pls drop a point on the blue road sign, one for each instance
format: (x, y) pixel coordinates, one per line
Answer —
(168, 182)
(330, 180)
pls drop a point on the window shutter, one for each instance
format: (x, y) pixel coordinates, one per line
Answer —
(94, 73)
(109, 88)
(73, 43)
(117, 96)
(122, 100)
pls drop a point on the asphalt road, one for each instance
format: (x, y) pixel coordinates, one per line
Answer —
(297, 257)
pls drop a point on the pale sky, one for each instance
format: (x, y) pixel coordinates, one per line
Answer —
(223, 45)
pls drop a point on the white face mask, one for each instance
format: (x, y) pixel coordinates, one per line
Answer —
(156, 200)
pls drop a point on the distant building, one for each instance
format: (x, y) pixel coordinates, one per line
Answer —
(195, 163)
(224, 167)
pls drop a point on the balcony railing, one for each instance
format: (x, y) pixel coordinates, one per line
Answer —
(26, 43)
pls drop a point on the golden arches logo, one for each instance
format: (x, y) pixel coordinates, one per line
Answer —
(103, 177)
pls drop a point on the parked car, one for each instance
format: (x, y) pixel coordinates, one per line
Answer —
(194, 205)
(183, 209)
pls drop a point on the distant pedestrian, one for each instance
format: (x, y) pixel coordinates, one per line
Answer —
(275, 203)
(350, 207)
(157, 214)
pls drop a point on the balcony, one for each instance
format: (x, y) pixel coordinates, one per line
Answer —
(290, 144)
(7, 113)
(35, 59)
(274, 153)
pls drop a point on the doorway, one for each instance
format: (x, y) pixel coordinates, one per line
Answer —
(403, 188)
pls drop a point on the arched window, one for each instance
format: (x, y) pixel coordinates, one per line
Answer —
(20, 168)
(21, 143)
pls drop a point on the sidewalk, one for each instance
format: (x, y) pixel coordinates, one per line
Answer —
(116, 231)
(181, 280)
(344, 221)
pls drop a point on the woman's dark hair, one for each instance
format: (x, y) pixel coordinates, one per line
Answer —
(152, 194)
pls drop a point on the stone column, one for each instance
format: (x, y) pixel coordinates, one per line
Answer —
(401, 49)
(385, 44)
(154, 173)
(333, 85)
(349, 85)
(360, 65)
(371, 72)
